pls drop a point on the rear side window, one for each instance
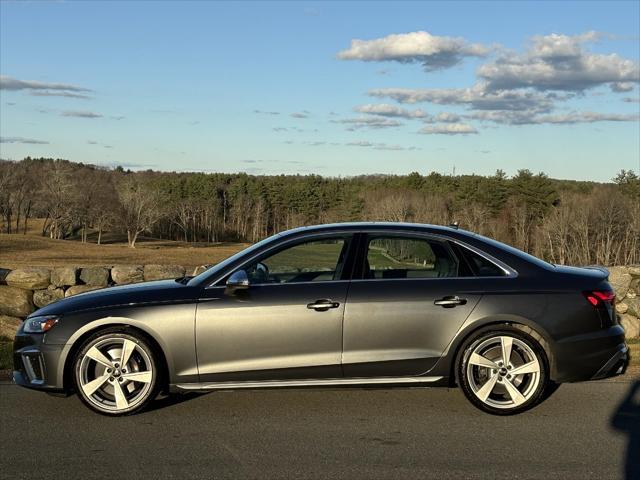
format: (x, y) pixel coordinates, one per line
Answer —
(406, 257)
(478, 265)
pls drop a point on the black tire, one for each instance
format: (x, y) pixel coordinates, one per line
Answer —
(539, 385)
(141, 393)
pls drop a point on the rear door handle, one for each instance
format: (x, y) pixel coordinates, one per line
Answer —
(450, 301)
(323, 305)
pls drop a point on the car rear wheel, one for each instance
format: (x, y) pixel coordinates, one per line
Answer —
(503, 372)
(116, 373)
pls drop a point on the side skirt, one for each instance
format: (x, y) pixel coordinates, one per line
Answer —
(329, 382)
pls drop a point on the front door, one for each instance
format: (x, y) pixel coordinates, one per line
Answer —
(286, 325)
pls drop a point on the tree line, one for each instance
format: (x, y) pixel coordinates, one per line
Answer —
(563, 221)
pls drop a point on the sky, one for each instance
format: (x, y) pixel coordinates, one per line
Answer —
(332, 88)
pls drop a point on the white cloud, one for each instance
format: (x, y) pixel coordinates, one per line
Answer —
(25, 141)
(386, 110)
(622, 86)
(80, 114)
(449, 129)
(48, 93)
(559, 62)
(476, 97)
(529, 118)
(447, 117)
(10, 83)
(379, 146)
(368, 122)
(262, 112)
(432, 51)
(360, 143)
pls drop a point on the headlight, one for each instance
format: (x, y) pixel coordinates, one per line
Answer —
(40, 324)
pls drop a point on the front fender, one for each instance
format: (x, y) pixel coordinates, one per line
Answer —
(170, 326)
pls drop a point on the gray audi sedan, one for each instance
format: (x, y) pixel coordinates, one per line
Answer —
(352, 305)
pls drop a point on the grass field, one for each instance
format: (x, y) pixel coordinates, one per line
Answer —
(34, 250)
(18, 250)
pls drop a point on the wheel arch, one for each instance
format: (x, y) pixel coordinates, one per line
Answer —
(67, 371)
(522, 324)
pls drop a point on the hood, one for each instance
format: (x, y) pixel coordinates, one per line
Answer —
(161, 291)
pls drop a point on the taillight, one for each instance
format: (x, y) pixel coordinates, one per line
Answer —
(600, 297)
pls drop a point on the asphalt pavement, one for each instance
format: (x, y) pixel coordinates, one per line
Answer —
(589, 430)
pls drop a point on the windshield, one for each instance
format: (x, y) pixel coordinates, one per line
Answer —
(211, 271)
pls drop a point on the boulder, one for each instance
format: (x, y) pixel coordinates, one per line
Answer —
(9, 326)
(620, 280)
(76, 289)
(95, 276)
(634, 271)
(633, 305)
(45, 297)
(15, 302)
(622, 308)
(162, 272)
(122, 274)
(631, 326)
(3, 275)
(64, 276)
(201, 268)
(29, 278)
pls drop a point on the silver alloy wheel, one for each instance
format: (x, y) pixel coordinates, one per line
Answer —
(115, 374)
(503, 372)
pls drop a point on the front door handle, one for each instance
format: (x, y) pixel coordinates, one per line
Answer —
(450, 301)
(323, 305)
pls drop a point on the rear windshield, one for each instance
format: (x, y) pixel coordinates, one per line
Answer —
(515, 252)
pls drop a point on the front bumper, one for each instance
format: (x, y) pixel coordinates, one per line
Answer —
(36, 364)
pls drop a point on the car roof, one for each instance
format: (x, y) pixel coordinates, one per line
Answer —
(327, 227)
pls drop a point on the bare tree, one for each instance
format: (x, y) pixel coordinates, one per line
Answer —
(140, 204)
(58, 192)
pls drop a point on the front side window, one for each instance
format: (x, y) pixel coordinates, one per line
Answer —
(404, 257)
(312, 261)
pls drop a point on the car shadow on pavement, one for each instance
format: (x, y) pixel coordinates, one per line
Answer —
(166, 401)
(626, 419)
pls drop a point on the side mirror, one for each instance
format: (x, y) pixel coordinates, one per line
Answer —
(238, 280)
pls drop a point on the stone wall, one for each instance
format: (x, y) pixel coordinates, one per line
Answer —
(24, 290)
(626, 283)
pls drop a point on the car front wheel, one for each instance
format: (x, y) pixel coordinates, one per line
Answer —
(503, 372)
(116, 372)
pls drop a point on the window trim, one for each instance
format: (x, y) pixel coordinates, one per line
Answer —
(298, 239)
(362, 252)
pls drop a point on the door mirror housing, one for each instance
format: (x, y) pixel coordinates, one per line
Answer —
(238, 280)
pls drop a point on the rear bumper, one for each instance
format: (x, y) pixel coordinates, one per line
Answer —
(592, 356)
(616, 365)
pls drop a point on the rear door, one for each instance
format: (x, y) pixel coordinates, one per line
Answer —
(405, 307)
(287, 324)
